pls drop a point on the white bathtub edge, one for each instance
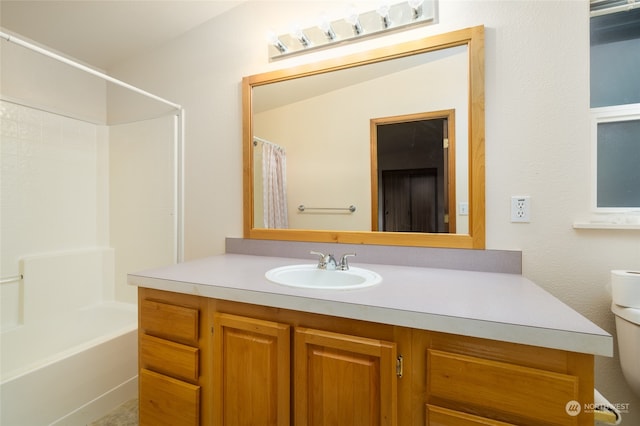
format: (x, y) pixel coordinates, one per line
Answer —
(49, 360)
(95, 379)
(102, 405)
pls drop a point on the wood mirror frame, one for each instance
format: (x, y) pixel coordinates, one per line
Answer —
(473, 38)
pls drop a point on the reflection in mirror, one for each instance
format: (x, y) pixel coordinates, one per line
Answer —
(341, 130)
(323, 124)
(413, 173)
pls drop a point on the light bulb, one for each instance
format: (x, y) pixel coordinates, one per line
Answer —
(416, 6)
(326, 27)
(352, 18)
(383, 11)
(273, 39)
(297, 32)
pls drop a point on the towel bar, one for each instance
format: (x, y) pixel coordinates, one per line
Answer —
(6, 280)
(351, 208)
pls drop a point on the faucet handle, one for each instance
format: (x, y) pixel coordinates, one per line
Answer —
(344, 264)
(327, 261)
(321, 262)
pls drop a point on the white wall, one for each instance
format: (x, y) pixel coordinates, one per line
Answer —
(537, 136)
(141, 198)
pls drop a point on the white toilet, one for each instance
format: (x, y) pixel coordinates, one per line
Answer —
(626, 308)
(628, 333)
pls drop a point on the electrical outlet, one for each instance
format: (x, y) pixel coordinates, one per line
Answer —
(520, 208)
(463, 208)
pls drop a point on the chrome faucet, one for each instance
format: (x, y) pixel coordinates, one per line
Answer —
(328, 262)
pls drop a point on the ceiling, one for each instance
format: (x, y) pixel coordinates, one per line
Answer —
(105, 33)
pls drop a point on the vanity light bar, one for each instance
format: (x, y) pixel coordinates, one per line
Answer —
(353, 26)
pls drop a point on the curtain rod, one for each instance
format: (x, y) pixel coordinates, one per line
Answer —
(20, 42)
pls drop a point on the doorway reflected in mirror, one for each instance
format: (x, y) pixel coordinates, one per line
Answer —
(413, 172)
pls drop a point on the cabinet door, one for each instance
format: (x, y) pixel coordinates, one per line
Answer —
(344, 380)
(251, 375)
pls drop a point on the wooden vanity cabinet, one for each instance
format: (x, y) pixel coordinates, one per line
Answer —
(269, 368)
(470, 381)
(263, 365)
(172, 343)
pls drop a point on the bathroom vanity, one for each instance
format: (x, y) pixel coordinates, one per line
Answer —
(220, 344)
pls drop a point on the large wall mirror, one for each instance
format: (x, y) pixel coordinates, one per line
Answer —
(380, 147)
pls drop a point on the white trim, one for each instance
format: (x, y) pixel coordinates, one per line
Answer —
(179, 184)
(614, 7)
(605, 225)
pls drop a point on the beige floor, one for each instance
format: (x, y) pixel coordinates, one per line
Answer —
(124, 415)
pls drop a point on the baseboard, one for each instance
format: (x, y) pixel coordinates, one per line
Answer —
(101, 406)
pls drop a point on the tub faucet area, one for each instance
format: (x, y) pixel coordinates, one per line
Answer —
(328, 262)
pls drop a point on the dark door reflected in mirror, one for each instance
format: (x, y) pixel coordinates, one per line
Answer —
(411, 162)
(409, 200)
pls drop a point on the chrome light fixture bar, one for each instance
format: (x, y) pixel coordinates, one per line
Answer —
(354, 26)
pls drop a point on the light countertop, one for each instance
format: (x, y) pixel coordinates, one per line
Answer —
(506, 307)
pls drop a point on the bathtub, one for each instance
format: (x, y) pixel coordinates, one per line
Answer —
(72, 370)
(70, 354)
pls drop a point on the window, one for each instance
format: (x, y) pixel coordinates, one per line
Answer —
(615, 104)
(616, 148)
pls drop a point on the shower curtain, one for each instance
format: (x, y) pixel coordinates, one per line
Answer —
(274, 172)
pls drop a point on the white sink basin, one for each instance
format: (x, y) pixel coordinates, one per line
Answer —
(309, 276)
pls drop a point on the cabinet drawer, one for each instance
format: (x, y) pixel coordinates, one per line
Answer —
(438, 416)
(172, 322)
(500, 390)
(167, 401)
(174, 359)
